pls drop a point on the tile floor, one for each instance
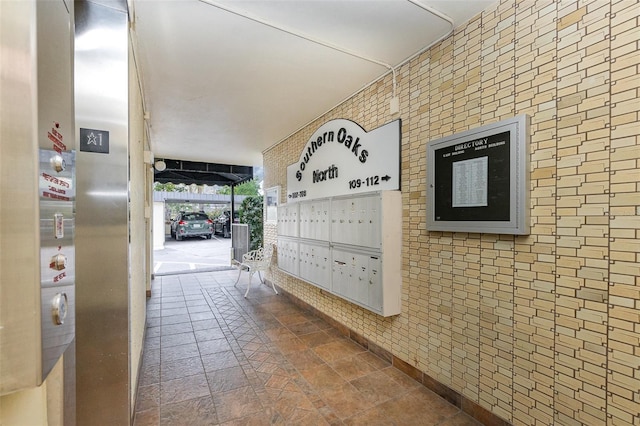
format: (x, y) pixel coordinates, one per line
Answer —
(212, 357)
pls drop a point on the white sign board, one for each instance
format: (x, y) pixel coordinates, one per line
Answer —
(342, 158)
(470, 182)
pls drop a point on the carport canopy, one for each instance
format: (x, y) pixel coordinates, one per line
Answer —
(189, 172)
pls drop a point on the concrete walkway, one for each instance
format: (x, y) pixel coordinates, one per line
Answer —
(192, 255)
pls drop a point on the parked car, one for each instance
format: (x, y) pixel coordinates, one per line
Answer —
(191, 224)
(221, 225)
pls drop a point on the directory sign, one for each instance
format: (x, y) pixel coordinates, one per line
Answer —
(477, 181)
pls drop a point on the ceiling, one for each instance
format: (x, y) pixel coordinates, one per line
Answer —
(224, 80)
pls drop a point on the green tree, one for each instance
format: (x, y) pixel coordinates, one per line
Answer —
(169, 187)
(250, 187)
(250, 213)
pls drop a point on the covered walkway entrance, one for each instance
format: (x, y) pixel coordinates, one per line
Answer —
(189, 173)
(192, 255)
(162, 214)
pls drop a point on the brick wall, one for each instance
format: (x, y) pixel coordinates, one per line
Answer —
(540, 329)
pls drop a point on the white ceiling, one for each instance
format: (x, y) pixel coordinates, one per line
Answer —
(221, 88)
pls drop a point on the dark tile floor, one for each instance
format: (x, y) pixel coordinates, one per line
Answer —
(212, 357)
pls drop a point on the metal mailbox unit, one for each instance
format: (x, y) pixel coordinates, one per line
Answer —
(315, 263)
(347, 245)
(37, 279)
(314, 220)
(288, 255)
(288, 220)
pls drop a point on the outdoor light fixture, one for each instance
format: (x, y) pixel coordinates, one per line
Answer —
(160, 165)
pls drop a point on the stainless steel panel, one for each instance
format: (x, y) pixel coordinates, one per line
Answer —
(102, 237)
(70, 385)
(57, 251)
(56, 181)
(37, 117)
(56, 338)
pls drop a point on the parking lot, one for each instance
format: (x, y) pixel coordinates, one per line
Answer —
(192, 255)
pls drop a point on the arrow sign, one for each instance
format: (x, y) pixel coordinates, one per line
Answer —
(385, 178)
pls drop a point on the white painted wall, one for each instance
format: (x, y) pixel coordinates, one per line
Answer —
(138, 268)
(42, 405)
(158, 225)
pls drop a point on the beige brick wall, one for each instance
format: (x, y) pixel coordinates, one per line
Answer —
(541, 329)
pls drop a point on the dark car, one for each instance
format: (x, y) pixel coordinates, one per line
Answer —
(221, 225)
(191, 224)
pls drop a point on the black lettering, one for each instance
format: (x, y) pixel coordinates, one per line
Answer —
(314, 145)
(322, 175)
(348, 142)
(356, 145)
(363, 156)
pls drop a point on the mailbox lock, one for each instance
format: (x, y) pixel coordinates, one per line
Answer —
(59, 308)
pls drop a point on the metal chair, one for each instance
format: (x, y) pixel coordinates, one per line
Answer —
(255, 261)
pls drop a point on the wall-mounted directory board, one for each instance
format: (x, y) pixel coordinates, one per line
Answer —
(478, 180)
